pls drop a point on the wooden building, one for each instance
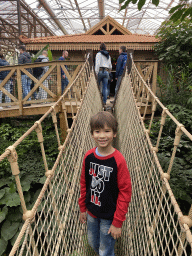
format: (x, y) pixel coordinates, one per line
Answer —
(108, 31)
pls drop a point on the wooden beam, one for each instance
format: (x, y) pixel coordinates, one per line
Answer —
(125, 14)
(101, 9)
(19, 18)
(80, 15)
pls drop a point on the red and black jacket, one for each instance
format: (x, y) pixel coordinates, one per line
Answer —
(105, 186)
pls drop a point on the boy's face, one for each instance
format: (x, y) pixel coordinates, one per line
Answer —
(103, 137)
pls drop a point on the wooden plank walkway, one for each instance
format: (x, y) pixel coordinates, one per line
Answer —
(35, 109)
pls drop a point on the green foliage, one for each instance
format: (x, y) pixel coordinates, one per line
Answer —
(179, 12)
(32, 172)
(181, 173)
(40, 52)
(50, 56)
(3, 213)
(3, 246)
(175, 50)
(9, 229)
(175, 43)
(176, 89)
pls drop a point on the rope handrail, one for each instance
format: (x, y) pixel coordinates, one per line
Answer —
(155, 224)
(52, 174)
(152, 193)
(189, 135)
(5, 154)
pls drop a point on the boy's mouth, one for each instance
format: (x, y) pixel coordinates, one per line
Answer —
(102, 141)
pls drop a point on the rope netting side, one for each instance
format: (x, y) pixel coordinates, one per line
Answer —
(155, 224)
(53, 227)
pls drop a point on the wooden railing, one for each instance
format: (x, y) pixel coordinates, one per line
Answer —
(52, 78)
(148, 71)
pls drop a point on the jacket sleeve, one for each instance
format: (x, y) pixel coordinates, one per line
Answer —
(21, 59)
(82, 205)
(62, 72)
(46, 68)
(110, 64)
(97, 63)
(118, 67)
(124, 196)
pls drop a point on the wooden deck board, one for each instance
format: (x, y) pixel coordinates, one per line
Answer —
(34, 109)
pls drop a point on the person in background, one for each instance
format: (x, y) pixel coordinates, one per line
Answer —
(109, 84)
(105, 183)
(42, 94)
(3, 75)
(102, 68)
(121, 62)
(25, 58)
(64, 79)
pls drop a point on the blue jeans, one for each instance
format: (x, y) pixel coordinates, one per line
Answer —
(64, 83)
(98, 237)
(108, 88)
(103, 76)
(26, 84)
(7, 87)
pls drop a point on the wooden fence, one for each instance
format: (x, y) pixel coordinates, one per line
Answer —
(51, 78)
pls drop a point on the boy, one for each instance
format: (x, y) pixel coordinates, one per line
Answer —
(105, 187)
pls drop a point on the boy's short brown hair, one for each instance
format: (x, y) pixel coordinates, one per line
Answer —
(101, 118)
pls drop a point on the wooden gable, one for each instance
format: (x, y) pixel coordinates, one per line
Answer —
(108, 26)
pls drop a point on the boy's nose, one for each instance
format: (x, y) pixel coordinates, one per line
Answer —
(102, 135)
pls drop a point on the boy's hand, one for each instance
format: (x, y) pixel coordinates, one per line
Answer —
(115, 232)
(83, 217)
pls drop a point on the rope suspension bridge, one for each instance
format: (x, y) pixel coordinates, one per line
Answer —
(155, 224)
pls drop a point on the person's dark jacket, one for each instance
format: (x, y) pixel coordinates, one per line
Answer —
(105, 53)
(25, 58)
(121, 61)
(3, 74)
(62, 72)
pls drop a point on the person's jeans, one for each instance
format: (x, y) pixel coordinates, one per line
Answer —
(103, 76)
(108, 88)
(64, 83)
(26, 84)
(117, 84)
(8, 88)
(98, 237)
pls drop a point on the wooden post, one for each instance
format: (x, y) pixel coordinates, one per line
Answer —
(90, 57)
(19, 86)
(129, 59)
(58, 81)
(19, 18)
(61, 111)
(154, 82)
(63, 122)
(63, 127)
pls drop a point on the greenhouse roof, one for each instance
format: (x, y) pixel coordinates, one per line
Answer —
(43, 18)
(78, 16)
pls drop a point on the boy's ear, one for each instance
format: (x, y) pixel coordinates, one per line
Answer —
(114, 135)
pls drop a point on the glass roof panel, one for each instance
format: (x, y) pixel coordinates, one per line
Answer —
(78, 16)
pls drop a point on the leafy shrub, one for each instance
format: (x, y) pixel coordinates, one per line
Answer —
(181, 173)
(32, 172)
